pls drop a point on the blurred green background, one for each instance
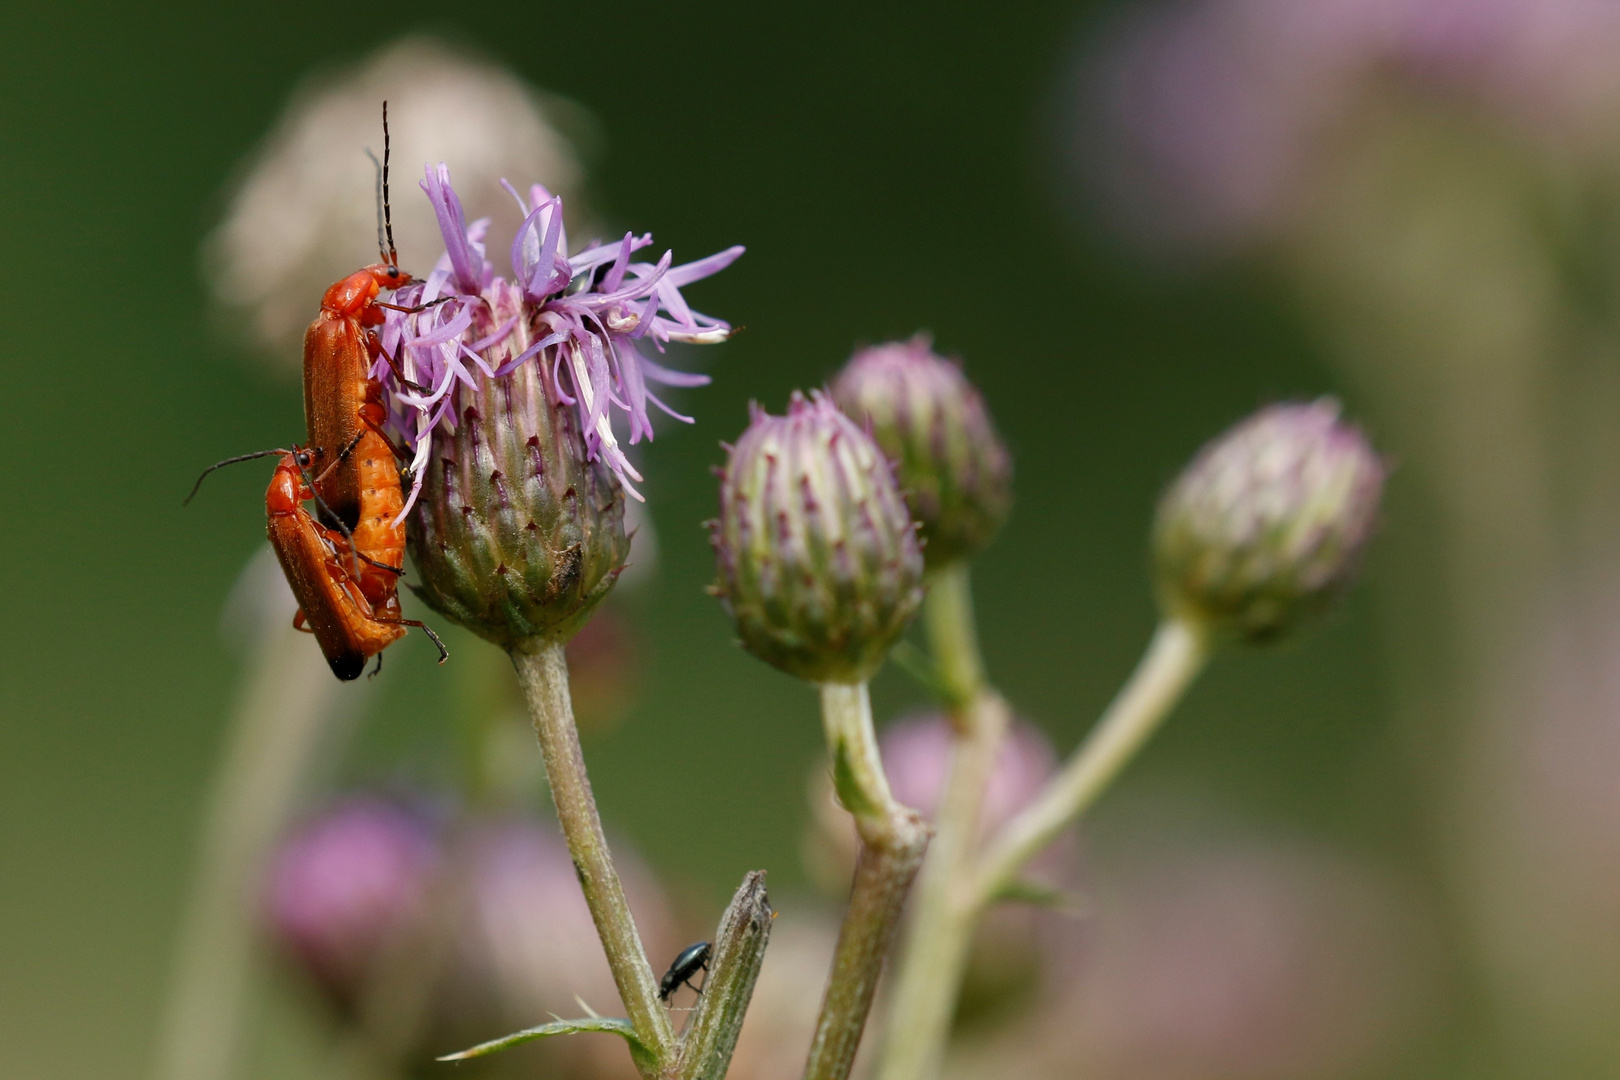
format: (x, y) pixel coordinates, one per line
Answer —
(890, 168)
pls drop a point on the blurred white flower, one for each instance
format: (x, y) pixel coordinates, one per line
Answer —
(303, 213)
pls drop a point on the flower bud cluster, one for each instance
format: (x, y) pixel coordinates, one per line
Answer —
(932, 422)
(819, 565)
(1265, 526)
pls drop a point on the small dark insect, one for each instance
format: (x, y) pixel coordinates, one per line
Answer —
(693, 959)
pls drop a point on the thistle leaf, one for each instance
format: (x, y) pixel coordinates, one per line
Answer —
(613, 1025)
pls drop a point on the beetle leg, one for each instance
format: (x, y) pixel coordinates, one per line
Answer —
(300, 623)
(397, 571)
(393, 365)
(444, 653)
(412, 310)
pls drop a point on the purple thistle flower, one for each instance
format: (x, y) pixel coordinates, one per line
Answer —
(592, 314)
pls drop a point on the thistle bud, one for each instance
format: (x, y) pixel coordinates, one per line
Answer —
(518, 533)
(819, 566)
(952, 466)
(1265, 526)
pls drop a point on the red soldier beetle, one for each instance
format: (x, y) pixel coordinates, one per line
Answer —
(339, 348)
(349, 625)
(346, 597)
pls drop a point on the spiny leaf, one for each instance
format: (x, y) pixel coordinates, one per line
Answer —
(614, 1025)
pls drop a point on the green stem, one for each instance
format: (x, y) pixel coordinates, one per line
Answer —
(893, 839)
(1174, 658)
(952, 635)
(543, 674)
(941, 928)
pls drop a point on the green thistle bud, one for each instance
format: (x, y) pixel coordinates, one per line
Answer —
(517, 535)
(819, 565)
(952, 466)
(1265, 526)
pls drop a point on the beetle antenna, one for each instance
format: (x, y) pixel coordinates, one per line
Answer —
(238, 459)
(382, 243)
(388, 212)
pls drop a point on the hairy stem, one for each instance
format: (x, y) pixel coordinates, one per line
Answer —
(893, 839)
(543, 674)
(941, 928)
(1174, 658)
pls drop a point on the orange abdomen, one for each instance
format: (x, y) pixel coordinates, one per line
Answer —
(375, 534)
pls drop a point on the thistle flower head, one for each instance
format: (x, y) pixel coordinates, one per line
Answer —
(519, 533)
(819, 565)
(503, 389)
(590, 318)
(952, 466)
(1265, 526)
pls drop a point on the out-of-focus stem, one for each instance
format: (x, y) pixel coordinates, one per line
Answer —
(543, 674)
(953, 637)
(278, 728)
(941, 928)
(893, 839)
(1174, 658)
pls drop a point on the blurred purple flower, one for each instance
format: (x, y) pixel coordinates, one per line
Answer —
(916, 753)
(343, 887)
(479, 921)
(1204, 118)
(592, 313)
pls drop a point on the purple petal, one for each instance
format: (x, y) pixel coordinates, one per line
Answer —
(468, 266)
(669, 377)
(694, 271)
